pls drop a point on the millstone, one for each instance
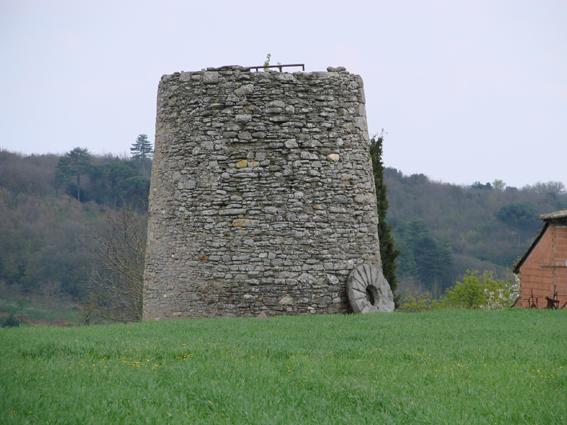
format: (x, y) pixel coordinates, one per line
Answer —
(368, 290)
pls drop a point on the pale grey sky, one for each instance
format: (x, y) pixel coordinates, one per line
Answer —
(466, 90)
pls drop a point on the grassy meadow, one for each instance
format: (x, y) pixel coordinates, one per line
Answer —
(440, 367)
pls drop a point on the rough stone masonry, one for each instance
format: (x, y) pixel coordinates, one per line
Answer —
(262, 196)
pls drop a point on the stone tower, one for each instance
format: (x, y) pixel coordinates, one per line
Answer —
(262, 197)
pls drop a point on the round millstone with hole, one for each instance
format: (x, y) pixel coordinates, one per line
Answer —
(368, 290)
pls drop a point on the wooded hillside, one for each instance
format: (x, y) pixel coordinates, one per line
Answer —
(49, 226)
(444, 229)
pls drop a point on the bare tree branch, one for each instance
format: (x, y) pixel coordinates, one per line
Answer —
(115, 286)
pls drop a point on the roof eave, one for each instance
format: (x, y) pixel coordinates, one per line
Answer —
(532, 246)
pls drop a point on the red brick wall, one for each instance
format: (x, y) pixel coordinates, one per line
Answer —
(545, 267)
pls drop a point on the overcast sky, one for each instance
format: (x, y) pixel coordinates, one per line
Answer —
(465, 90)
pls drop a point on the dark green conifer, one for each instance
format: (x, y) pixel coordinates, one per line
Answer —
(388, 251)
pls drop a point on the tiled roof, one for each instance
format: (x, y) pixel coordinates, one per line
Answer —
(554, 215)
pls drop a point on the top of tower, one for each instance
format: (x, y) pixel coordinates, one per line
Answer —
(278, 67)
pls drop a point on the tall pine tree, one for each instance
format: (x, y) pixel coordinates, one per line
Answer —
(388, 251)
(142, 151)
(73, 165)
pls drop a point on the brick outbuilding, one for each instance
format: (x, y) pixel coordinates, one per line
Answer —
(543, 268)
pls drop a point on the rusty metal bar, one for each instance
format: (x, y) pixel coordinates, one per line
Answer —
(280, 67)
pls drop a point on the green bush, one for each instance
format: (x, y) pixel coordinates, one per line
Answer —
(481, 291)
(424, 301)
(11, 322)
(476, 291)
(415, 302)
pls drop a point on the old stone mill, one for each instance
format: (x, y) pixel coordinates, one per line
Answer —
(262, 198)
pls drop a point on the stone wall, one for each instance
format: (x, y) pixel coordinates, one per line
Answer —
(262, 197)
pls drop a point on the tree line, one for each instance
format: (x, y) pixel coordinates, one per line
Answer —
(109, 180)
(56, 210)
(442, 230)
(75, 225)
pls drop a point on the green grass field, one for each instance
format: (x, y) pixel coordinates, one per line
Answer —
(442, 367)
